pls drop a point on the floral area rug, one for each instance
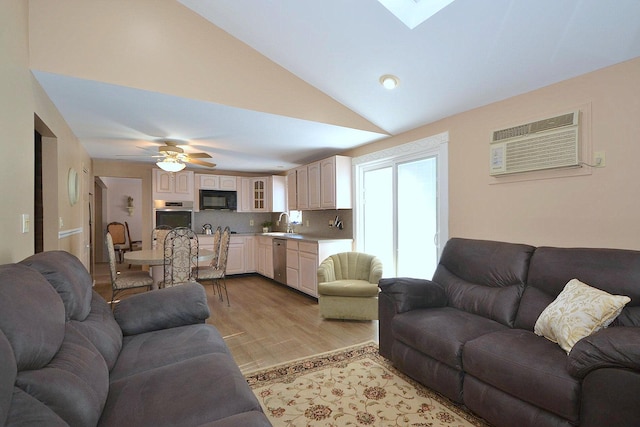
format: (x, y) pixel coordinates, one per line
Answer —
(351, 387)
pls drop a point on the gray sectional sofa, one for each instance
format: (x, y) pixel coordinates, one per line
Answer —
(67, 360)
(469, 333)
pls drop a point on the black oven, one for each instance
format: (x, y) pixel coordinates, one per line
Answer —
(173, 214)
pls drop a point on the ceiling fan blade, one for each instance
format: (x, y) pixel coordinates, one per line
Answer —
(199, 155)
(200, 162)
(140, 155)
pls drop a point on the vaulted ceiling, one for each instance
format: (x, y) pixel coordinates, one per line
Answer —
(264, 86)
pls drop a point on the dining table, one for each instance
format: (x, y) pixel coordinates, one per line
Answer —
(154, 258)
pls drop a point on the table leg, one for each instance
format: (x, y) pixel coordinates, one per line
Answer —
(157, 272)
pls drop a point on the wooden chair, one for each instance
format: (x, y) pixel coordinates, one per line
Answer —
(119, 237)
(121, 282)
(180, 257)
(134, 245)
(217, 270)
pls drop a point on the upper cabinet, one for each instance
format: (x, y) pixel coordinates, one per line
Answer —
(213, 182)
(335, 183)
(216, 182)
(325, 184)
(263, 194)
(173, 186)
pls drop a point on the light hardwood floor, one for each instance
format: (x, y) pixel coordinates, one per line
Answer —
(268, 323)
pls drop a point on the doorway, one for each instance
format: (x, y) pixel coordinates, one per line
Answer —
(401, 208)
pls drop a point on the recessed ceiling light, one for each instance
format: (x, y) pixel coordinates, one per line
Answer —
(389, 81)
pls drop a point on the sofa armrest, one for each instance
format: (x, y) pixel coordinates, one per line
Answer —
(162, 309)
(410, 294)
(615, 347)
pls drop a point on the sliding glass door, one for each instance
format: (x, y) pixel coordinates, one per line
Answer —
(401, 211)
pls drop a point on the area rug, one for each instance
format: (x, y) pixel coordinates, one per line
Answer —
(351, 387)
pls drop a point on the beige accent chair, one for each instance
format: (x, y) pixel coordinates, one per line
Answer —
(121, 282)
(348, 286)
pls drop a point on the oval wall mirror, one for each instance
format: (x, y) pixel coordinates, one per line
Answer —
(73, 186)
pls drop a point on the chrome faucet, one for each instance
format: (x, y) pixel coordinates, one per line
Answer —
(289, 229)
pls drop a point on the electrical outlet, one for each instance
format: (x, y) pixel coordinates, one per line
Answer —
(599, 159)
(306, 223)
(251, 223)
(60, 223)
(330, 223)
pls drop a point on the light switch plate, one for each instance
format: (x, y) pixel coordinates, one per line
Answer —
(25, 222)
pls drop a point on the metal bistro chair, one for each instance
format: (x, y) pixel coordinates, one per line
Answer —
(121, 282)
(158, 235)
(216, 271)
(180, 257)
(119, 237)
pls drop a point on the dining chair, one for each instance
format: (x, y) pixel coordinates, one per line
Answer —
(180, 257)
(134, 245)
(118, 234)
(158, 235)
(121, 282)
(216, 271)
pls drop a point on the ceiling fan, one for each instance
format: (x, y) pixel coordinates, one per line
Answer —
(173, 158)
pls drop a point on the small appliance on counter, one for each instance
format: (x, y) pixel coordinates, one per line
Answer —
(207, 229)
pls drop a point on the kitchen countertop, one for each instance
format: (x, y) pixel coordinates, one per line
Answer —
(282, 235)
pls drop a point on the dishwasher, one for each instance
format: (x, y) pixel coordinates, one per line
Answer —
(280, 260)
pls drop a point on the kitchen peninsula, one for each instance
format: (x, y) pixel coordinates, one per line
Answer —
(253, 253)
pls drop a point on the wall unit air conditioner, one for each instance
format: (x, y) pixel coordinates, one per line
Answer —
(543, 144)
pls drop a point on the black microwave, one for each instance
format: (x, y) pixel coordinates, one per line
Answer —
(218, 199)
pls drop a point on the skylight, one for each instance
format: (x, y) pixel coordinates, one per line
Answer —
(414, 12)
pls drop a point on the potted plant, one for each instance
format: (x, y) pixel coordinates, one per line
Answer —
(266, 225)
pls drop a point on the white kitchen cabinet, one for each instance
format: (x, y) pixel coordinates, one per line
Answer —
(292, 189)
(241, 255)
(292, 264)
(304, 257)
(298, 188)
(250, 254)
(325, 184)
(173, 186)
(265, 256)
(308, 268)
(216, 182)
(263, 194)
(335, 183)
(314, 185)
(236, 257)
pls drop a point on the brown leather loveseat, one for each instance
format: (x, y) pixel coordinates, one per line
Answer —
(469, 333)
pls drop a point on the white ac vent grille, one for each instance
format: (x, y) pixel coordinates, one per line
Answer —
(544, 144)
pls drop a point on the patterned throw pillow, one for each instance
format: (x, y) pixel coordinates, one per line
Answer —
(577, 312)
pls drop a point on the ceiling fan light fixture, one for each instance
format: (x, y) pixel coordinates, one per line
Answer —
(389, 82)
(171, 165)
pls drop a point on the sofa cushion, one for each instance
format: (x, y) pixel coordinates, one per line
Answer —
(189, 393)
(615, 271)
(527, 366)
(74, 385)
(484, 277)
(577, 312)
(348, 288)
(164, 347)
(69, 277)
(26, 410)
(102, 330)
(32, 316)
(8, 373)
(441, 333)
